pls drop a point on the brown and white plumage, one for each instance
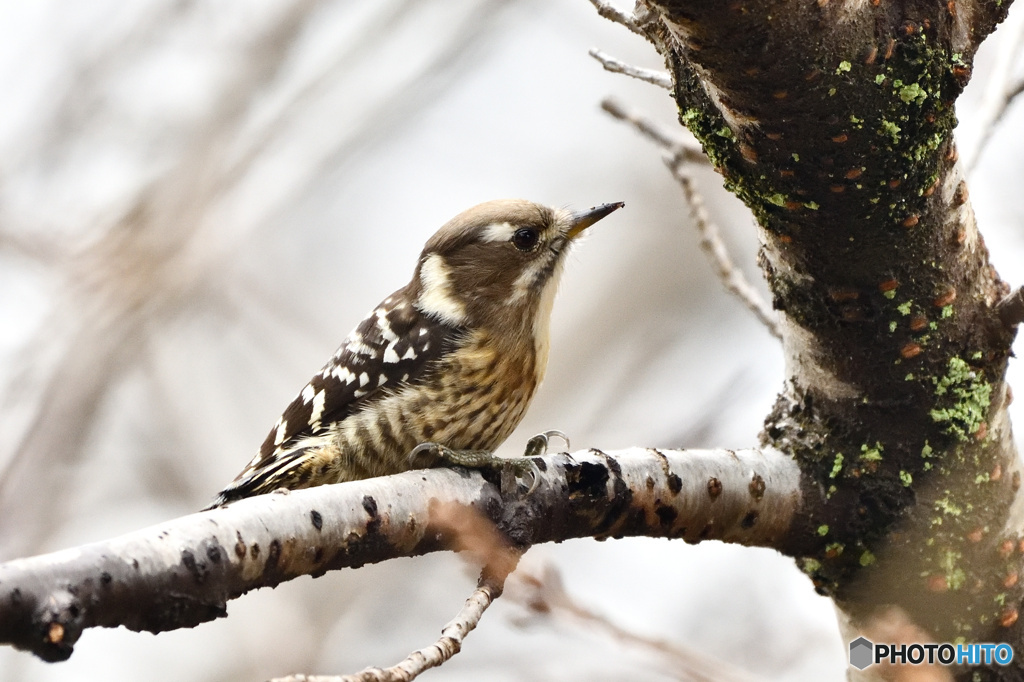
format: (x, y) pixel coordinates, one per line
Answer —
(453, 357)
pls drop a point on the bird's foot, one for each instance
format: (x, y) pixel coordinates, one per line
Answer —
(509, 468)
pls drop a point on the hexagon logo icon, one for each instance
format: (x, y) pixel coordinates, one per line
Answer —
(861, 653)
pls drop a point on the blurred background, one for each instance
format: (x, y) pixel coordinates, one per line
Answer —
(199, 199)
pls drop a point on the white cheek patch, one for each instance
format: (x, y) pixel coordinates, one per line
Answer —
(437, 298)
(497, 232)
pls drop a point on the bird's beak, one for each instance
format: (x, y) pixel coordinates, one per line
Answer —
(581, 220)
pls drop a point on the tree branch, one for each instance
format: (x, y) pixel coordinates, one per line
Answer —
(610, 63)
(183, 572)
(684, 150)
(473, 534)
(616, 15)
(732, 278)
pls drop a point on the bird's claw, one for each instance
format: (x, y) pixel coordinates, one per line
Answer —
(538, 445)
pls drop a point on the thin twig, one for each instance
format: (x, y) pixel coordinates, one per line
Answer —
(610, 63)
(476, 537)
(681, 149)
(543, 592)
(449, 644)
(618, 16)
(677, 155)
(711, 243)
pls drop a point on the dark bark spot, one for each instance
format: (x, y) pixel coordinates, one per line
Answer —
(255, 550)
(239, 546)
(750, 519)
(593, 478)
(675, 484)
(106, 578)
(270, 570)
(541, 464)
(666, 515)
(370, 505)
(195, 568)
(213, 553)
(317, 519)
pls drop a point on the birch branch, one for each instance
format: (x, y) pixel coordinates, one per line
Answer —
(183, 572)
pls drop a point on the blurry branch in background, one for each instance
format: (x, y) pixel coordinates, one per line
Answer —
(678, 155)
(135, 273)
(479, 539)
(610, 63)
(617, 16)
(733, 279)
(1001, 88)
(685, 148)
(183, 572)
(538, 586)
(162, 253)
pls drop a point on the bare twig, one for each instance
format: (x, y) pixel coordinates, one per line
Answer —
(610, 63)
(684, 150)
(542, 591)
(711, 243)
(618, 16)
(475, 535)
(677, 155)
(449, 644)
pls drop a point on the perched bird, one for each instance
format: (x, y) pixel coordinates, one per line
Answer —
(452, 359)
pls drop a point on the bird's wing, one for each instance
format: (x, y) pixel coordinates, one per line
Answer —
(392, 346)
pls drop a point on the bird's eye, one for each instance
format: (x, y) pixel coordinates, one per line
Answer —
(525, 239)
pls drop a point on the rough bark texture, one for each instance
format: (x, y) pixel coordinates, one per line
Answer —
(833, 122)
(183, 572)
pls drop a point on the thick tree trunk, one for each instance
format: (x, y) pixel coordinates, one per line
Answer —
(833, 122)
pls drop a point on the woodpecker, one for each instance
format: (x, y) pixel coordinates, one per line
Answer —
(452, 359)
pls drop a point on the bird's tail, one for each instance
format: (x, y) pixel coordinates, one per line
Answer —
(289, 470)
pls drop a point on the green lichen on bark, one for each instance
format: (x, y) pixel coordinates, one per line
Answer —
(963, 398)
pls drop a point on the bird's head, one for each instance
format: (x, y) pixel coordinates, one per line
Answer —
(498, 262)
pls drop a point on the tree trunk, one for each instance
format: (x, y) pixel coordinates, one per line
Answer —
(833, 122)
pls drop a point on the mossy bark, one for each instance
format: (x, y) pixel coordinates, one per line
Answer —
(833, 122)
